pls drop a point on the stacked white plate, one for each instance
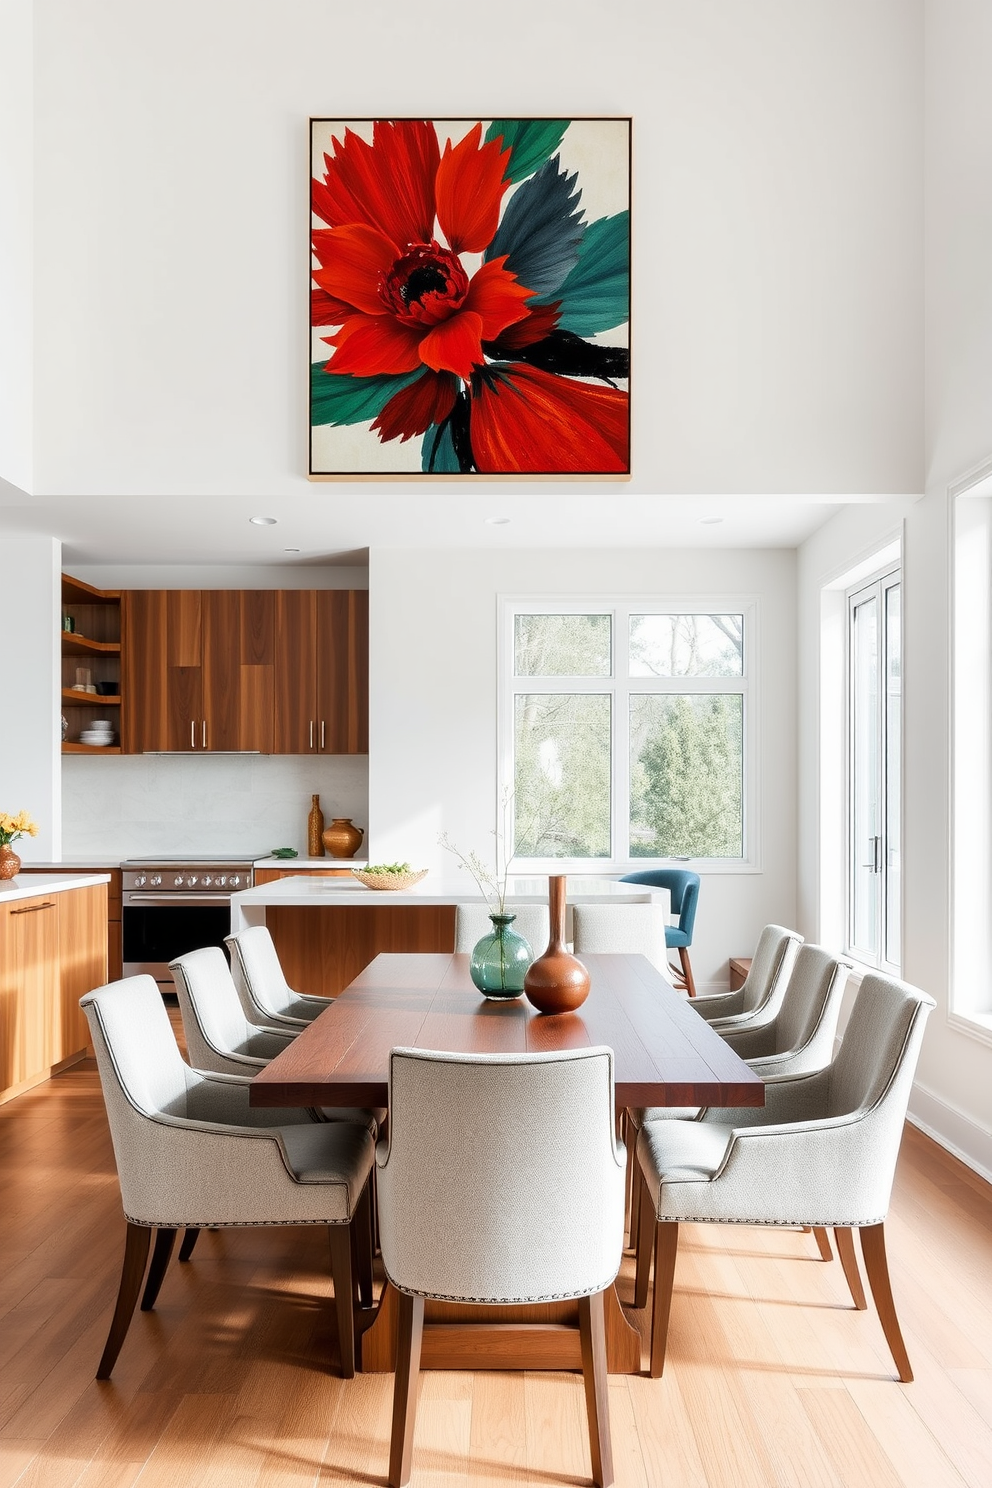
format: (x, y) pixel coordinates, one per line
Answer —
(100, 732)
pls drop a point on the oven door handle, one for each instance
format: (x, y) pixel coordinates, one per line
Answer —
(175, 899)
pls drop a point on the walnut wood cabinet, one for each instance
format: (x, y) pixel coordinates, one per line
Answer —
(53, 949)
(277, 671)
(199, 669)
(322, 671)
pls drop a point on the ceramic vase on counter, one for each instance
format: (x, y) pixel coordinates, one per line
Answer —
(557, 982)
(10, 863)
(315, 829)
(500, 960)
(342, 838)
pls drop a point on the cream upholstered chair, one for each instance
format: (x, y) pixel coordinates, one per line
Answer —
(799, 1039)
(472, 922)
(219, 1037)
(501, 1182)
(631, 929)
(822, 1152)
(191, 1152)
(760, 997)
(266, 996)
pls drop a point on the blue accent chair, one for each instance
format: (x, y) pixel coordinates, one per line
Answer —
(683, 886)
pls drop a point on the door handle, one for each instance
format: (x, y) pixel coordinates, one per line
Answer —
(311, 733)
(192, 734)
(322, 729)
(34, 908)
(204, 733)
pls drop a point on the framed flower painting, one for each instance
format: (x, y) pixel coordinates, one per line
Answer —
(470, 298)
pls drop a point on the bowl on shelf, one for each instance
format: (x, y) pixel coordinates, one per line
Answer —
(378, 879)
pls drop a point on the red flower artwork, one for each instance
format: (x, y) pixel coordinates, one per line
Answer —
(465, 299)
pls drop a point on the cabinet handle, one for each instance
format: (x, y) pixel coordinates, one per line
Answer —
(311, 733)
(34, 908)
(192, 734)
(204, 733)
(322, 729)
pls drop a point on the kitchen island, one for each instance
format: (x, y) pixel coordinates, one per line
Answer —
(327, 930)
(53, 950)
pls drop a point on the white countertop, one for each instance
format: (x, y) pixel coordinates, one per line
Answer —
(36, 885)
(248, 907)
(298, 863)
(65, 865)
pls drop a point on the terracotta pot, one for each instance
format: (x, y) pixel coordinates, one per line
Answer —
(556, 982)
(315, 829)
(10, 863)
(342, 838)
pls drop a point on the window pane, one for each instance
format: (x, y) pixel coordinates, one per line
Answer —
(686, 645)
(562, 645)
(866, 822)
(686, 776)
(893, 759)
(562, 769)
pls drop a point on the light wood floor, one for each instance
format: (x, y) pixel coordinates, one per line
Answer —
(772, 1378)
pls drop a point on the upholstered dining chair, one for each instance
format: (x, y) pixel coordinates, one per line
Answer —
(472, 922)
(683, 888)
(798, 1040)
(822, 1152)
(192, 1153)
(630, 929)
(266, 996)
(501, 1182)
(759, 997)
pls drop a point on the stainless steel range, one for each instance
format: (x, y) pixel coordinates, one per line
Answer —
(174, 905)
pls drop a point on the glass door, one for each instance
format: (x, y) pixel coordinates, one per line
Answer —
(875, 772)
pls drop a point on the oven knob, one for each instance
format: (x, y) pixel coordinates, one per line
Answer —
(207, 880)
(234, 880)
(178, 880)
(220, 882)
(192, 880)
(139, 879)
(156, 880)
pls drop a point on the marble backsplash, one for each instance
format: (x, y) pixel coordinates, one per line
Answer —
(139, 805)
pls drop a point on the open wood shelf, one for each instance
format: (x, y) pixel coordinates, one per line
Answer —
(77, 591)
(77, 645)
(68, 748)
(93, 699)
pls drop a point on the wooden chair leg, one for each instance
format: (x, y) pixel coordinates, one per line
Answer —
(361, 1257)
(845, 1249)
(690, 985)
(645, 1237)
(666, 1244)
(592, 1332)
(877, 1267)
(409, 1337)
(344, 1300)
(161, 1256)
(633, 1179)
(822, 1242)
(135, 1256)
(189, 1241)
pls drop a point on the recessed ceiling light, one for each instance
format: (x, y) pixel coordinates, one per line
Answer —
(710, 521)
(497, 521)
(263, 521)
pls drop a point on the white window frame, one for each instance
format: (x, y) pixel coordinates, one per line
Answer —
(970, 754)
(621, 687)
(874, 585)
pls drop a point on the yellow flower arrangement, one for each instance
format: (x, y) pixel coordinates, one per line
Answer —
(12, 827)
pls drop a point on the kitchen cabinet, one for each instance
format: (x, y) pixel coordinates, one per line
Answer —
(199, 670)
(322, 671)
(53, 949)
(91, 664)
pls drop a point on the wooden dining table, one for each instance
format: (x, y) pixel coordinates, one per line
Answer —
(665, 1054)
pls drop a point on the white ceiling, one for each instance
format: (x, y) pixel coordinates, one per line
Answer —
(331, 524)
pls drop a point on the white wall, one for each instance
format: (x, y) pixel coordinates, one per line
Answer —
(138, 805)
(777, 187)
(30, 665)
(432, 756)
(16, 248)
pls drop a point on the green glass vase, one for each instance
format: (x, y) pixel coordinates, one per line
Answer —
(500, 960)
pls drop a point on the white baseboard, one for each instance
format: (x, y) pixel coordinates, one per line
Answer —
(952, 1128)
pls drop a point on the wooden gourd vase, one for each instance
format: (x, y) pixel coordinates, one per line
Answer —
(556, 982)
(10, 863)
